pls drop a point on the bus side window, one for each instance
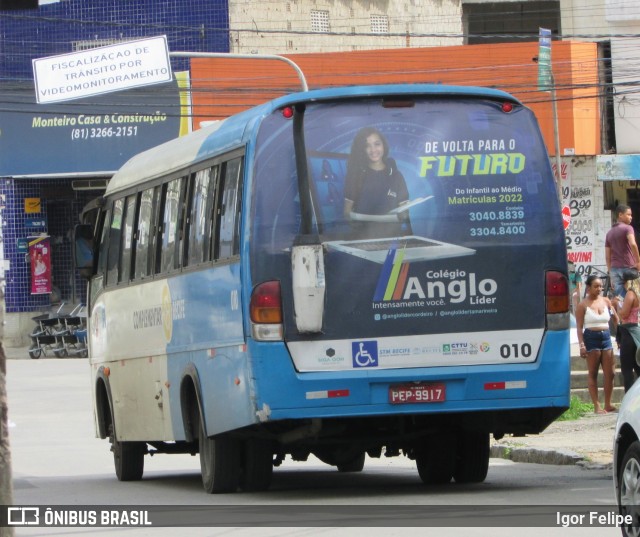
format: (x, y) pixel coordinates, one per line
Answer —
(199, 217)
(144, 234)
(171, 226)
(128, 250)
(184, 208)
(104, 243)
(229, 210)
(211, 246)
(187, 204)
(115, 233)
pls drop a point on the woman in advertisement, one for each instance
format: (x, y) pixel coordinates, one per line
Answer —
(374, 189)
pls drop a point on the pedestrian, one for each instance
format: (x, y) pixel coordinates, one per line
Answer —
(593, 316)
(374, 188)
(629, 331)
(621, 249)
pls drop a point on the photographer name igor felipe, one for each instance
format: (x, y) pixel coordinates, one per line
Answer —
(62, 516)
(593, 518)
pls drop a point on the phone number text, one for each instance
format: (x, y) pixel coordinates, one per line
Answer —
(104, 132)
(494, 230)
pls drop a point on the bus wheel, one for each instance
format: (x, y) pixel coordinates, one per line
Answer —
(472, 461)
(354, 465)
(436, 462)
(128, 458)
(257, 467)
(219, 462)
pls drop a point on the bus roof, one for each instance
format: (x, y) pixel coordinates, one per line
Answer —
(180, 153)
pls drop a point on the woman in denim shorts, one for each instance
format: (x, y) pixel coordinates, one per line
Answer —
(593, 316)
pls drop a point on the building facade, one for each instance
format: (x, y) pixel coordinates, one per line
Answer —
(595, 106)
(48, 170)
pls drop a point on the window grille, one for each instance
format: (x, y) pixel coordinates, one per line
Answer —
(86, 45)
(379, 24)
(319, 21)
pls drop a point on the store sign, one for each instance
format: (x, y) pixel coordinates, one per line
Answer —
(544, 60)
(89, 137)
(35, 222)
(102, 70)
(618, 167)
(22, 245)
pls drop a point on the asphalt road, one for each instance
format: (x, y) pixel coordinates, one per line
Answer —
(57, 460)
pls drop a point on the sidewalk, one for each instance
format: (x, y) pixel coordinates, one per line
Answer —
(587, 441)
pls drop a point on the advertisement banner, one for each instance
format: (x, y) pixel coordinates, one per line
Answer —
(90, 136)
(438, 217)
(40, 256)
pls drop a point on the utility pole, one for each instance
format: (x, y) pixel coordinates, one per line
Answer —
(6, 487)
(556, 139)
(546, 82)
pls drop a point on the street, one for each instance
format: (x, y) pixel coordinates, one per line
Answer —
(58, 461)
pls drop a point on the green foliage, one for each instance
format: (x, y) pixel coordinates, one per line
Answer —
(577, 409)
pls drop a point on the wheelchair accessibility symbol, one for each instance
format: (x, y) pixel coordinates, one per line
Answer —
(364, 353)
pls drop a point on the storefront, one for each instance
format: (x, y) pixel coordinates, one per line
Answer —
(54, 159)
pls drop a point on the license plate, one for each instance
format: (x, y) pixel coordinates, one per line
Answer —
(417, 393)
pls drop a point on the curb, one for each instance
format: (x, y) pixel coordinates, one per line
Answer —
(537, 455)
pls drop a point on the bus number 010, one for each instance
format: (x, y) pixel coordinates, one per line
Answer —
(516, 351)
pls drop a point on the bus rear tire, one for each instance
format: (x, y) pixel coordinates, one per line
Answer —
(354, 465)
(436, 462)
(472, 458)
(128, 459)
(257, 468)
(219, 463)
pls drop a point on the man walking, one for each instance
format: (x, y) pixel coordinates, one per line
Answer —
(621, 249)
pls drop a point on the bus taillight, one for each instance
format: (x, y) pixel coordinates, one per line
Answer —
(266, 312)
(556, 292)
(507, 107)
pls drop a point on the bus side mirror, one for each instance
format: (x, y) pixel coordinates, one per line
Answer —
(83, 246)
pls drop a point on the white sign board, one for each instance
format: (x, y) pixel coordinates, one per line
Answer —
(102, 70)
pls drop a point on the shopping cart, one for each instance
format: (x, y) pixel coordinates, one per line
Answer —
(60, 334)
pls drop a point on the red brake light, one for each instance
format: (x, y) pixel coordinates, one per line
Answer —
(557, 292)
(266, 303)
(507, 107)
(287, 112)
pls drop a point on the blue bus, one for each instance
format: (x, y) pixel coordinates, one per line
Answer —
(343, 273)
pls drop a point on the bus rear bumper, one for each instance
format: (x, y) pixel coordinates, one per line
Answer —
(515, 397)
